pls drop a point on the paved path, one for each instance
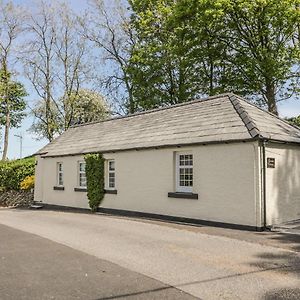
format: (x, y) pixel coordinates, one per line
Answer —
(32, 267)
(292, 227)
(205, 266)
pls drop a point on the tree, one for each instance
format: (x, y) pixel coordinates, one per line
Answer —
(12, 105)
(56, 63)
(86, 106)
(191, 48)
(39, 63)
(178, 57)
(114, 38)
(11, 18)
(294, 121)
(261, 36)
(81, 107)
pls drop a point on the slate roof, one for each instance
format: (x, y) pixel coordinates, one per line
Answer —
(222, 118)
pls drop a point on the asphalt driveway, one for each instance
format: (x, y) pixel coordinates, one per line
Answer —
(36, 268)
(153, 260)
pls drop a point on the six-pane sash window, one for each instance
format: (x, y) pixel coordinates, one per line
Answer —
(82, 175)
(60, 174)
(111, 174)
(184, 178)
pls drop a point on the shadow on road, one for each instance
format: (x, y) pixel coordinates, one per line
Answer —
(279, 268)
(283, 294)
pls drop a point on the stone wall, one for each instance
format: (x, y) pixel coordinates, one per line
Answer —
(16, 198)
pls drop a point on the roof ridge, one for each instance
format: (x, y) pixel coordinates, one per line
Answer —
(155, 109)
(245, 117)
(268, 112)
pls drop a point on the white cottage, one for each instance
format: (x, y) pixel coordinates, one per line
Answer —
(219, 160)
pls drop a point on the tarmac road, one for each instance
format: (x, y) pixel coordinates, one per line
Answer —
(148, 256)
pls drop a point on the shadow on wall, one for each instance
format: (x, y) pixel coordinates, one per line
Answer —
(283, 184)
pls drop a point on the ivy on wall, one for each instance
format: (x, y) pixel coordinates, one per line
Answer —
(95, 179)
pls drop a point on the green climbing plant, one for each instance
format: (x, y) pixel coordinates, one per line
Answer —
(95, 179)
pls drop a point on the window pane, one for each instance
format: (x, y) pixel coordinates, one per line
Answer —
(82, 182)
(111, 165)
(82, 167)
(60, 179)
(111, 182)
(185, 160)
(186, 171)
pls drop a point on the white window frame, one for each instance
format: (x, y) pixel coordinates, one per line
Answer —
(81, 172)
(109, 171)
(179, 188)
(58, 172)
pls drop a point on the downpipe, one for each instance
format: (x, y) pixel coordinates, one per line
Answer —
(264, 181)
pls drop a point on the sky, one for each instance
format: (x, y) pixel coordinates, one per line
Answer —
(288, 108)
(30, 144)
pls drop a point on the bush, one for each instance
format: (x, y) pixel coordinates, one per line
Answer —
(27, 183)
(12, 173)
(95, 179)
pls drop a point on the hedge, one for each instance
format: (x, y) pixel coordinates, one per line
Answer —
(12, 173)
(95, 179)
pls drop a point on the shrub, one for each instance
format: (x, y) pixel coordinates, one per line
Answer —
(27, 183)
(12, 173)
(95, 179)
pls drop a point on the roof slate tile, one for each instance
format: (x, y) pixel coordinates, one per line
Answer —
(222, 118)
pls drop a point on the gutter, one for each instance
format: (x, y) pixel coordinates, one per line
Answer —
(263, 183)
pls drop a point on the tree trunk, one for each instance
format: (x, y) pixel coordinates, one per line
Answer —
(271, 101)
(6, 134)
(130, 98)
(7, 112)
(211, 77)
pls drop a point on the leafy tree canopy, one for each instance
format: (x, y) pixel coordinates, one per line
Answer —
(80, 107)
(205, 47)
(294, 121)
(12, 95)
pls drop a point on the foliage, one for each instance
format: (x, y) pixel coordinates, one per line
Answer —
(294, 121)
(85, 106)
(95, 179)
(46, 122)
(12, 173)
(12, 95)
(27, 183)
(80, 107)
(12, 105)
(263, 49)
(186, 48)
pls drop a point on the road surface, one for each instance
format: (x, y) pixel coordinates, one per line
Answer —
(198, 265)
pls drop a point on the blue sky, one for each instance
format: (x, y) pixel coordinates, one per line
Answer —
(30, 144)
(287, 108)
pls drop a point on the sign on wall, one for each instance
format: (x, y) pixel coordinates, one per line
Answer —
(271, 162)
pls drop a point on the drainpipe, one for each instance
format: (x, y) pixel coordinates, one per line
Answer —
(264, 192)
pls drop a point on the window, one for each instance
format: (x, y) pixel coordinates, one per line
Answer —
(184, 172)
(81, 174)
(111, 175)
(60, 174)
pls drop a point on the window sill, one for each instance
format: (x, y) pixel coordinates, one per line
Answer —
(183, 195)
(59, 188)
(80, 189)
(110, 191)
